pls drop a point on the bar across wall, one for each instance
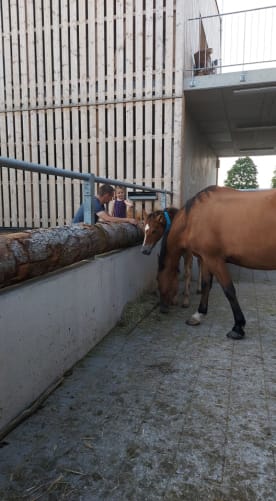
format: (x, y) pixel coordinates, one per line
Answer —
(145, 193)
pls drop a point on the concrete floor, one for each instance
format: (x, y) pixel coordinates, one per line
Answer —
(159, 411)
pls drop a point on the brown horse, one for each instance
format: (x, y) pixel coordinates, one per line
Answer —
(157, 225)
(221, 225)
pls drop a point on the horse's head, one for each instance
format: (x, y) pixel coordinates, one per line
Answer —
(155, 225)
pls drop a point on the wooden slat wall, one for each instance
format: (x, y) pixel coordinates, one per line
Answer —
(101, 90)
(139, 104)
(3, 172)
(91, 86)
(119, 74)
(9, 179)
(16, 178)
(25, 216)
(37, 129)
(64, 157)
(159, 104)
(56, 153)
(129, 70)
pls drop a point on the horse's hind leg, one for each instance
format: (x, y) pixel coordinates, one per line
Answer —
(224, 278)
(206, 285)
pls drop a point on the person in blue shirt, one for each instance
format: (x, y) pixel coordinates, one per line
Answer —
(105, 195)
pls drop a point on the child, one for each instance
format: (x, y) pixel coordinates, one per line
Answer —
(120, 205)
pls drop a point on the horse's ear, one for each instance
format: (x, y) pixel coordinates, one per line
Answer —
(160, 218)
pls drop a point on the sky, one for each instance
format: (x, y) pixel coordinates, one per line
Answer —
(265, 164)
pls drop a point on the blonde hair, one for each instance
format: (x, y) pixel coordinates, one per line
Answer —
(121, 188)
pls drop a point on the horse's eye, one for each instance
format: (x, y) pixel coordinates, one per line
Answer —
(153, 231)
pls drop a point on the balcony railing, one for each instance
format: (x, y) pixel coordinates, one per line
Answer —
(234, 41)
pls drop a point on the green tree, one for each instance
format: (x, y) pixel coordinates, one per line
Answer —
(273, 180)
(243, 175)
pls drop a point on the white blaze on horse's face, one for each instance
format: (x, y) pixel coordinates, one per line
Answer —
(146, 230)
(154, 229)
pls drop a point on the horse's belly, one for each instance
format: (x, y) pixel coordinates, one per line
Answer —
(252, 264)
(262, 258)
(251, 244)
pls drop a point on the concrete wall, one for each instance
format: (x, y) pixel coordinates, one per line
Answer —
(200, 163)
(50, 323)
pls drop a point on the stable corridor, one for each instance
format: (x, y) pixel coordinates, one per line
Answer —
(159, 410)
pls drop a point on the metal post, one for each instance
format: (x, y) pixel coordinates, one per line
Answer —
(242, 75)
(192, 82)
(88, 196)
(163, 200)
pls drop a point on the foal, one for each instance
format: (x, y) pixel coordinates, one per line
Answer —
(157, 225)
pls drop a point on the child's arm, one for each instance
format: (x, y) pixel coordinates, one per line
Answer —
(129, 203)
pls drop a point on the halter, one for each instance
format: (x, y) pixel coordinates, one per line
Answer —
(168, 221)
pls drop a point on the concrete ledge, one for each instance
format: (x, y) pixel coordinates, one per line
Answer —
(263, 76)
(49, 323)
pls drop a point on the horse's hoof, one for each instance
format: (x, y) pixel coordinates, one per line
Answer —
(198, 291)
(193, 322)
(235, 335)
(195, 319)
(164, 308)
(185, 305)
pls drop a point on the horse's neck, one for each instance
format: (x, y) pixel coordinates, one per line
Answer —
(174, 247)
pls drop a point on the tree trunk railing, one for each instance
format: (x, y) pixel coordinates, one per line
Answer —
(33, 253)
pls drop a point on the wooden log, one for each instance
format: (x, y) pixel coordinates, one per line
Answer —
(35, 252)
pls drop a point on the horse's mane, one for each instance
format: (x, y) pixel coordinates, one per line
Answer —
(189, 204)
(171, 211)
(162, 255)
(199, 197)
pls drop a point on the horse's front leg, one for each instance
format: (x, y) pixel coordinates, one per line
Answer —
(199, 277)
(206, 285)
(224, 278)
(188, 263)
(168, 287)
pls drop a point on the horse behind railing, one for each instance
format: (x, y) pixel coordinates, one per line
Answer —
(157, 225)
(221, 225)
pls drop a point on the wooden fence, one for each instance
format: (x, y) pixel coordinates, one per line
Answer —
(92, 86)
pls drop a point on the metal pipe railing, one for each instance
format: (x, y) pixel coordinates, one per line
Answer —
(88, 179)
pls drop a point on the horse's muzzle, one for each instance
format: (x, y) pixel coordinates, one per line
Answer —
(146, 250)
